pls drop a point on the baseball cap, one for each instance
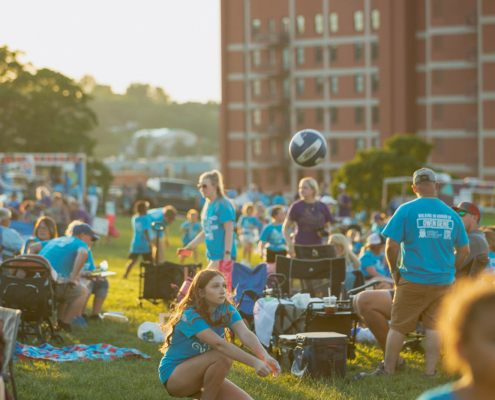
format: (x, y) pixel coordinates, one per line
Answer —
(85, 228)
(424, 175)
(469, 207)
(374, 238)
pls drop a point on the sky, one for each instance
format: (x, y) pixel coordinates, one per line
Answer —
(173, 44)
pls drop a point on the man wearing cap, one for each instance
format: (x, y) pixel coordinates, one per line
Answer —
(344, 201)
(67, 255)
(477, 259)
(427, 231)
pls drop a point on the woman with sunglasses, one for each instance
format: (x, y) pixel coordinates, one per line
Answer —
(217, 219)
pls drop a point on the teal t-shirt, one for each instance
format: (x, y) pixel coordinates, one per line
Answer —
(375, 228)
(428, 231)
(272, 234)
(217, 213)
(62, 253)
(445, 392)
(156, 215)
(248, 224)
(368, 259)
(140, 224)
(191, 233)
(184, 344)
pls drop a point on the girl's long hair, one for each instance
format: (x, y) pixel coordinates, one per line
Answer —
(216, 178)
(193, 300)
(49, 223)
(342, 241)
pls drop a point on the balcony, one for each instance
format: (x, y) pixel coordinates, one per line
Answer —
(272, 39)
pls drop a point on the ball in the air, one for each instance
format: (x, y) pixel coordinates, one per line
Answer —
(308, 148)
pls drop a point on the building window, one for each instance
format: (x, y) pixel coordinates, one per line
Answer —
(438, 111)
(300, 86)
(300, 24)
(375, 82)
(376, 143)
(437, 43)
(438, 146)
(272, 175)
(358, 21)
(286, 58)
(334, 147)
(272, 56)
(319, 23)
(257, 117)
(358, 115)
(300, 55)
(273, 147)
(256, 26)
(256, 87)
(271, 25)
(319, 116)
(300, 116)
(375, 19)
(318, 54)
(257, 147)
(360, 144)
(319, 85)
(334, 83)
(334, 22)
(285, 25)
(334, 54)
(273, 86)
(374, 51)
(256, 58)
(334, 115)
(437, 76)
(359, 83)
(375, 113)
(286, 88)
(438, 8)
(271, 115)
(300, 174)
(286, 176)
(358, 52)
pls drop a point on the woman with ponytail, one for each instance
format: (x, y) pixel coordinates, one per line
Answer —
(197, 358)
(217, 219)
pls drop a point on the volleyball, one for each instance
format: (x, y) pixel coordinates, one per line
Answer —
(308, 148)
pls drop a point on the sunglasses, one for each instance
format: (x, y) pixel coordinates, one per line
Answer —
(202, 186)
(463, 213)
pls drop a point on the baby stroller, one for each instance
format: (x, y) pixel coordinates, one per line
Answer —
(28, 283)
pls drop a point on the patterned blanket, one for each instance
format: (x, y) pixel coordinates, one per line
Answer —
(76, 352)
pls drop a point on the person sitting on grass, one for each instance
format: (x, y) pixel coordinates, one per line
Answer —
(467, 323)
(141, 236)
(190, 230)
(165, 216)
(67, 256)
(247, 224)
(197, 358)
(272, 242)
(372, 262)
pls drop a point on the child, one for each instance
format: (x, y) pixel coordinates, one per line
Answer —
(372, 264)
(468, 330)
(165, 216)
(141, 238)
(191, 228)
(247, 224)
(272, 236)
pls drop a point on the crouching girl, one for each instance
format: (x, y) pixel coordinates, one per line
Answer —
(197, 358)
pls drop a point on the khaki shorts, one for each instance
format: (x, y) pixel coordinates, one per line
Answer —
(66, 293)
(414, 300)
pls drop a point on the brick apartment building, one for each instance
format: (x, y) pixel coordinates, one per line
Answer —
(358, 71)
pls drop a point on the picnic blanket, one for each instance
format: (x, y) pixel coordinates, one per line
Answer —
(78, 352)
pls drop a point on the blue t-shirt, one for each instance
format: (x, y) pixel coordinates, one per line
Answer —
(368, 259)
(375, 228)
(278, 200)
(184, 344)
(92, 189)
(272, 234)
(445, 392)
(248, 224)
(428, 231)
(191, 233)
(62, 252)
(90, 264)
(156, 215)
(356, 247)
(139, 244)
(217, 213)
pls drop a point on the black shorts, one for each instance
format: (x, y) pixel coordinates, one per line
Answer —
(272, 255)
(135, 256)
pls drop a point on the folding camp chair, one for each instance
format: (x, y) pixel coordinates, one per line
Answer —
(11, 319)
(315, 252)
(248, 285)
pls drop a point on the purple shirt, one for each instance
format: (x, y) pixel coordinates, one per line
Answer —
(308, 217)
(345, 212)
(80, 215)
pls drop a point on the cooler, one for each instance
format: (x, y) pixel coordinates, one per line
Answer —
(285, 355)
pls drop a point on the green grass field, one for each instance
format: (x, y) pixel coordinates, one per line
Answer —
(138, 379)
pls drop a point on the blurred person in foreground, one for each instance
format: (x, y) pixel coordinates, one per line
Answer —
(434, 243)
(467, 323)
(197, 357)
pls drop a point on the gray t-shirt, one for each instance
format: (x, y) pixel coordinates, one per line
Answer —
(477, 259)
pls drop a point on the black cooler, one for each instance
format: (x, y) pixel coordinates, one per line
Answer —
(320, 354)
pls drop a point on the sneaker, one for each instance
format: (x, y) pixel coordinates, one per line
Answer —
(97, 318)
(363, 375)
(80, 322)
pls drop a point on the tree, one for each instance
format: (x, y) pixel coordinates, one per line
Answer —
(42, 110)
(364, 174)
